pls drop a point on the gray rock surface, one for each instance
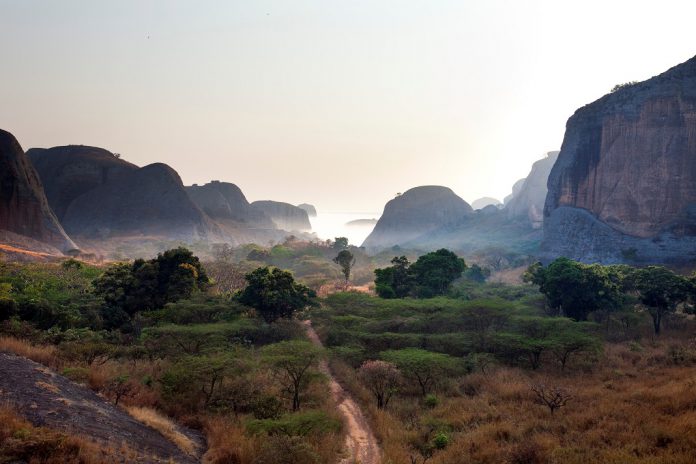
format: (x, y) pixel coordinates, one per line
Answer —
(24, 209)
(284, 215)
(225, 201)
(481, 203)
(311, 210)
(628, 162)
(416, 213)
(528, 203)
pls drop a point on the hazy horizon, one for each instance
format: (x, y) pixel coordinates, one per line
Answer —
(337, 104)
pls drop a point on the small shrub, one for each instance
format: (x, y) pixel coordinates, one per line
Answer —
(431, 401)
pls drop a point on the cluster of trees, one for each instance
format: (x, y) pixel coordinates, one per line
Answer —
(128, 288)
(431, 275)
(576, 290)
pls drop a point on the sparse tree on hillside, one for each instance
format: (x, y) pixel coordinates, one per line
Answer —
(292, 362)
(340, 243)
(382, 379)
(423, 367)
(660, 291)
(346, 260)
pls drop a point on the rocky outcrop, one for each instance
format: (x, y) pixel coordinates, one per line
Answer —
(516, 187)
(311, 210)
(225, 201)
(71, 171)
(284, 215)
(147, 201)
(624, 186)
(24, 209)
(416, 213)
(362, 223)
(481, 203)
(528, 202)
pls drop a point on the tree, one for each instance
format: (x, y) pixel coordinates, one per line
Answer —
(421, 366)
(382, 379)
(434, 272)
(346, 260)
(394, 281)
(275, 294)
(574, 289)
(660, 291)
(476, 273)
(553, 397)
(340, 243)
(291, 361)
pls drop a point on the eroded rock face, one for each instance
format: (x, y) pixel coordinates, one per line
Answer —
(225, 201)
(528, 202)
(147, 201)
(284, 215)
(628, 167)
(416, 213)
(24, 209)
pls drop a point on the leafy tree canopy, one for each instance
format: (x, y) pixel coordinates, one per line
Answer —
(275, 294)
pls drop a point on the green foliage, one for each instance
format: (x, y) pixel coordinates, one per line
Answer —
(346, 260)
(299, 424)
(431, 275)
(660, 291)
(292, 362)
(340, 243)
(476, 273)
(275, 294)
(423, 367)
(148, 285)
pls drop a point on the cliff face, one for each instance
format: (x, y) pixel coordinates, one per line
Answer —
(624, 186)
(311, 210)
(24, 209)
(225, 201)
(284, 215)
(71, 171)
(146, 201)
(481, 203)
(416, 213)
(528, 202)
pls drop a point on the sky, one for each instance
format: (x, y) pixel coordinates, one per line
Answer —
(341, 104)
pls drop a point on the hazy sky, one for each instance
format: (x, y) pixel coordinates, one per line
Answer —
(337, 103)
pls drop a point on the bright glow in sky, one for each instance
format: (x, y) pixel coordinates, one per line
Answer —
(336, 103)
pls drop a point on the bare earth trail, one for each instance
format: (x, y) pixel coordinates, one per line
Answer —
(360, 441)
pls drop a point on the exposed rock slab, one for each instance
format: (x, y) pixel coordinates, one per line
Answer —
(528, 202)
(284, 215)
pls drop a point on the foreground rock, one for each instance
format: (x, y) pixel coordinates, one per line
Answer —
(47, 399)
(624, 186)
(24, 209)
(416, 213)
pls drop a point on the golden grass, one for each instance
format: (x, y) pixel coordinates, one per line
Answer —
(165, 426)
(43, 354)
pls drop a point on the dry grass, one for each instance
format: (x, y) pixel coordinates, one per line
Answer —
(43, 354)
(635, 407)
(165, 426)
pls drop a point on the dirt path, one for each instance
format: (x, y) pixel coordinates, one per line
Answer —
(360, 441)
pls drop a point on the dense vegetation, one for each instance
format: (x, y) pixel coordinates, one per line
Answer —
(583, 363)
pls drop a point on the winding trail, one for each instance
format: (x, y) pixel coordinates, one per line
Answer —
(361, 443)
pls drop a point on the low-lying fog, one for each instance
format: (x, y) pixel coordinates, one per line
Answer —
(329, 225)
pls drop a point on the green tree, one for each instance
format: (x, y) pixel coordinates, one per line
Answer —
(275, 294)
(476, 273)
(394, 281)
(382, 379)
(660, 291)
(291, 362)
(340, 243)
(434, 272)
(422, 367)
(346, 260)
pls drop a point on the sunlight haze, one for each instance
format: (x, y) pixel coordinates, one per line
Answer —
(337, 104)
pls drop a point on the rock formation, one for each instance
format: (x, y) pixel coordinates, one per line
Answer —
(225, 201)
(361, 223)
(24, 209)
(284, 215)
(624, 186)
(516, 187)
(416, 213)
(311, 210)
(99, 195)
(481, 203)
(528, 202)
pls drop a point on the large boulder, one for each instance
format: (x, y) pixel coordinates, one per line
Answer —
(528, 202)
(24, 209)
(415, 214)
(225, 201)
(624, 186)
(284, 215)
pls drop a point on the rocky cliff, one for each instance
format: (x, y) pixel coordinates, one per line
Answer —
(481, 203)
(24, 209)
(416, 213)
(528, 202)
(225, 201)
(624, 186)
(284, 215)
